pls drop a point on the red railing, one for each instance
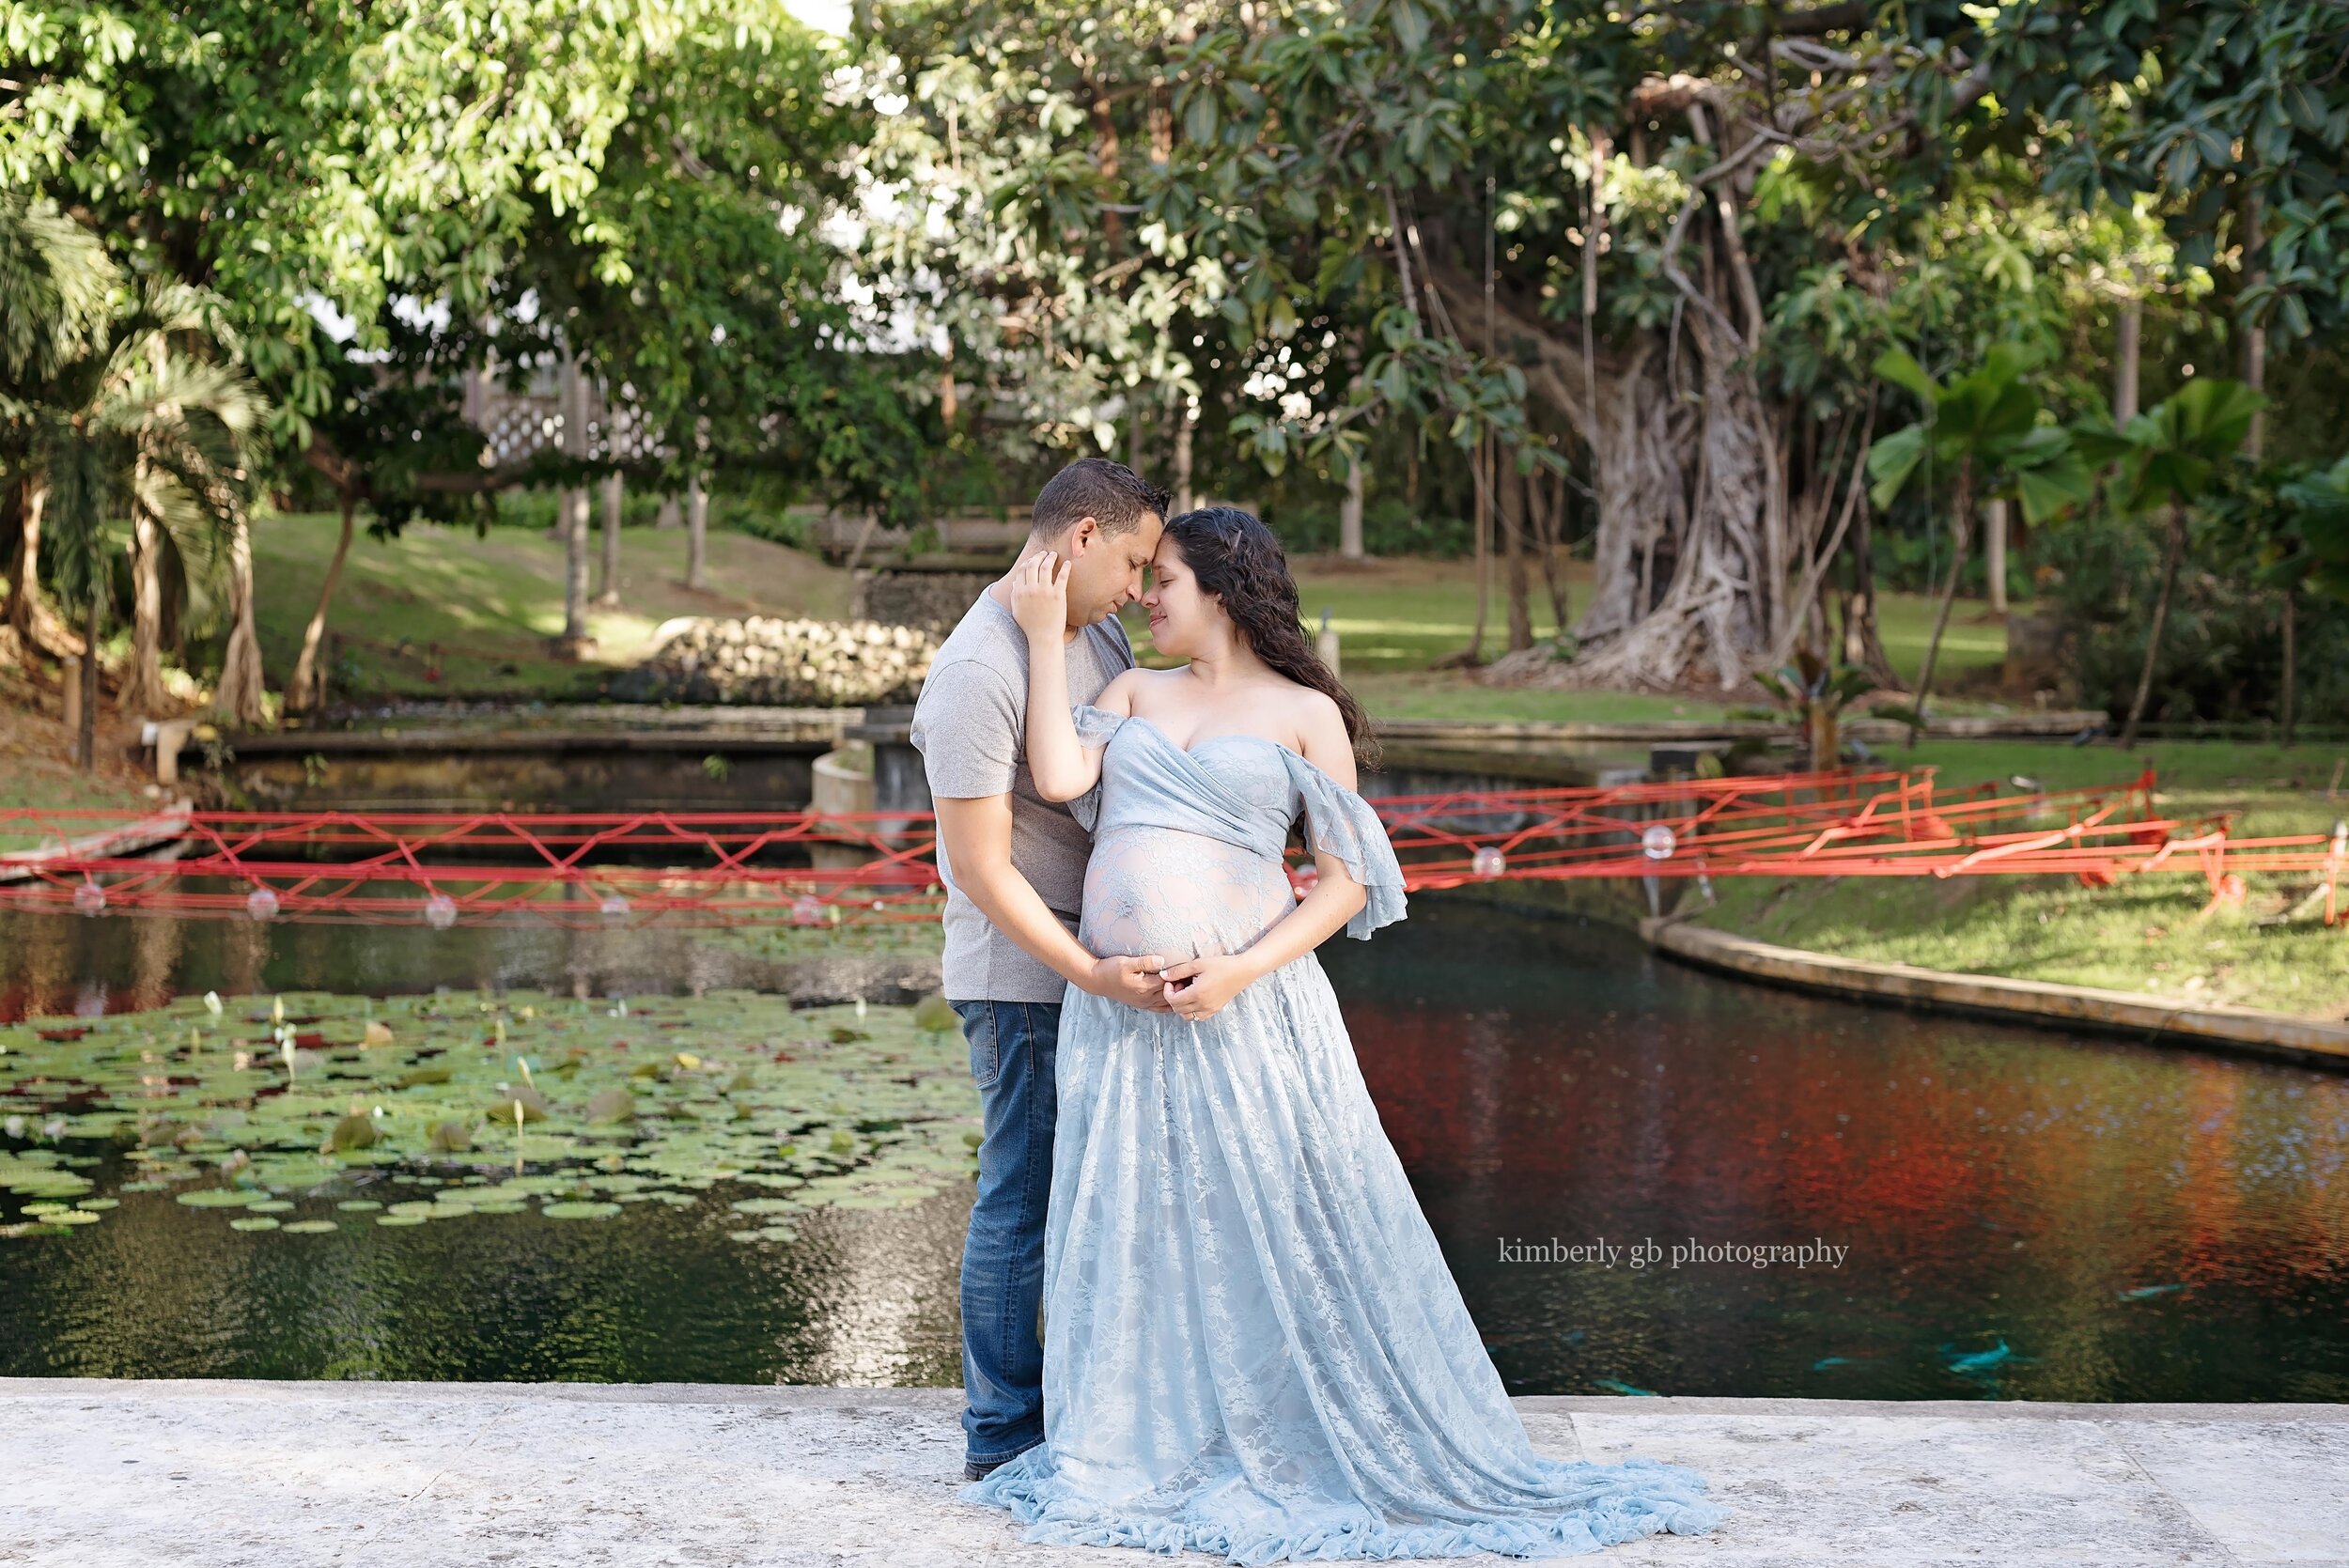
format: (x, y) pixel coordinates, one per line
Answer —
(811, 868)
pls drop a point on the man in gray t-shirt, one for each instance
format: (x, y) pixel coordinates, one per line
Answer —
(1014, 865)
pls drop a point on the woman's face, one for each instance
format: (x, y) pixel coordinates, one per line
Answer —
(1183, 620)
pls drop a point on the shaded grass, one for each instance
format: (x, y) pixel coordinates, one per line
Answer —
(35, 760)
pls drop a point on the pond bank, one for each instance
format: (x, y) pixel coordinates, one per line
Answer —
(202, 1473)
(2207, 1023)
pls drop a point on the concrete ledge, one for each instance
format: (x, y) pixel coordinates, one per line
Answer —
(131, 838)
(2213, 1024)
(105, 1474)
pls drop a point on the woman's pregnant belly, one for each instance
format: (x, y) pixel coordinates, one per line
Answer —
(1177, 894)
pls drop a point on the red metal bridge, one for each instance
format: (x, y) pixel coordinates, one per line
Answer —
(822, 869)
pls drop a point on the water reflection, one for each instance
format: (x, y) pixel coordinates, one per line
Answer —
(2129, 1222)
(2026, 1216)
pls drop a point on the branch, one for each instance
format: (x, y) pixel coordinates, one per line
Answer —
(1851, 17)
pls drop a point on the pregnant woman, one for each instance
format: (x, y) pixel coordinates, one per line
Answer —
(1251, 1345)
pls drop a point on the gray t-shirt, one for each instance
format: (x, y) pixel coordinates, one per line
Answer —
(971, 727)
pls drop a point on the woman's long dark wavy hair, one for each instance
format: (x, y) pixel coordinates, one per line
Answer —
(1235, 558)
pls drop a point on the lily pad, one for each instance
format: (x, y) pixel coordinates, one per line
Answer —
(400, 1219)
(253, 1222)
(309, 1227)
(221, 1198)
(358, 1205)
(580, 1210)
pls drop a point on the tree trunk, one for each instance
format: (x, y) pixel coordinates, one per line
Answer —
(1863, 644)
(2292, 681)
(1183, 501)
(1961, 536)
(571, 521)
(1994, 552)
(1512, 486)
(1547, 510)
(2254, 338)
(696, 534)
(85, 743)
(307, 691)
(238, 699)
(2124, 372)
(2174, 551)
(614, 498)
(570, 515)
(1692, 544)
(143, 687)
(1474, 653)
(1350, 512)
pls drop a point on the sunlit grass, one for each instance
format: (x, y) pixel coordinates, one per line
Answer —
(481, 613)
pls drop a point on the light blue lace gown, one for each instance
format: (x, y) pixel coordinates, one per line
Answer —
(1251, 1345)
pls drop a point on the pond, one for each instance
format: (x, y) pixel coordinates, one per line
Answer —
(1626, 1161)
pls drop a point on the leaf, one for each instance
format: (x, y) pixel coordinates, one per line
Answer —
(1897, 367)
(354, 1131)
(2052, 486)
(1410, 25)
(1891, 460)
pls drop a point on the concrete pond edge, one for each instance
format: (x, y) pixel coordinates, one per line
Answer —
(2210, 1025)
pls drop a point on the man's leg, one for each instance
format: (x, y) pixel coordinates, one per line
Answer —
(1012, 1047)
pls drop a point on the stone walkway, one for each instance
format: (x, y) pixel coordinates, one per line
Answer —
(204, 1475)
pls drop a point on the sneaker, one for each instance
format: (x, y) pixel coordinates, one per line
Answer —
(976, 1470)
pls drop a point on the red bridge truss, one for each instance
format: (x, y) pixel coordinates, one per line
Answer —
(822, 869)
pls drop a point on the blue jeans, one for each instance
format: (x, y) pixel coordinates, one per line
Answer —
(1012, 1046)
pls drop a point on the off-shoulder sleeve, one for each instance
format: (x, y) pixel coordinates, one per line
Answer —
(1342, 824)
(1095, 725)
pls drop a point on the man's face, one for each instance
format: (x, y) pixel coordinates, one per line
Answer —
(1106, 570)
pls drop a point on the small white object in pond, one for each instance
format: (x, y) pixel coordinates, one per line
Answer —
(1488, 861)
(439, 911)
(614, 906)
(89, 899)
(261, 904)
(211, 1003)
(1304, 880)
(1658, 842)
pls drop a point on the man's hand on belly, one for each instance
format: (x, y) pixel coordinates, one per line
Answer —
(1131, 980)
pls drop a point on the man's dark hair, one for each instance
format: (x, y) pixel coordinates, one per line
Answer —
(1109, 492)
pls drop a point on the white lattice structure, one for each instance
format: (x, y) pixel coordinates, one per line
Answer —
(519, 426)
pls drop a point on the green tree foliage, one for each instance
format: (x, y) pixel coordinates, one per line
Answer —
(2170, 458)
(1987, 431)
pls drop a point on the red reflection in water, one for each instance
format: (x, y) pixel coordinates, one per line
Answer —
(1923, 1143)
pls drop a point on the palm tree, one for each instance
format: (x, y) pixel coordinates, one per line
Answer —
(57, 286)
(2169, 457)
(1984, 429)
(119, 415)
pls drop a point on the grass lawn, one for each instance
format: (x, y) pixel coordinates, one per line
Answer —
(1396, 618)
(440, 612)
(2146, 935)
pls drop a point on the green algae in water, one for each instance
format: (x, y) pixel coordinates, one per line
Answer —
(659, 1102)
